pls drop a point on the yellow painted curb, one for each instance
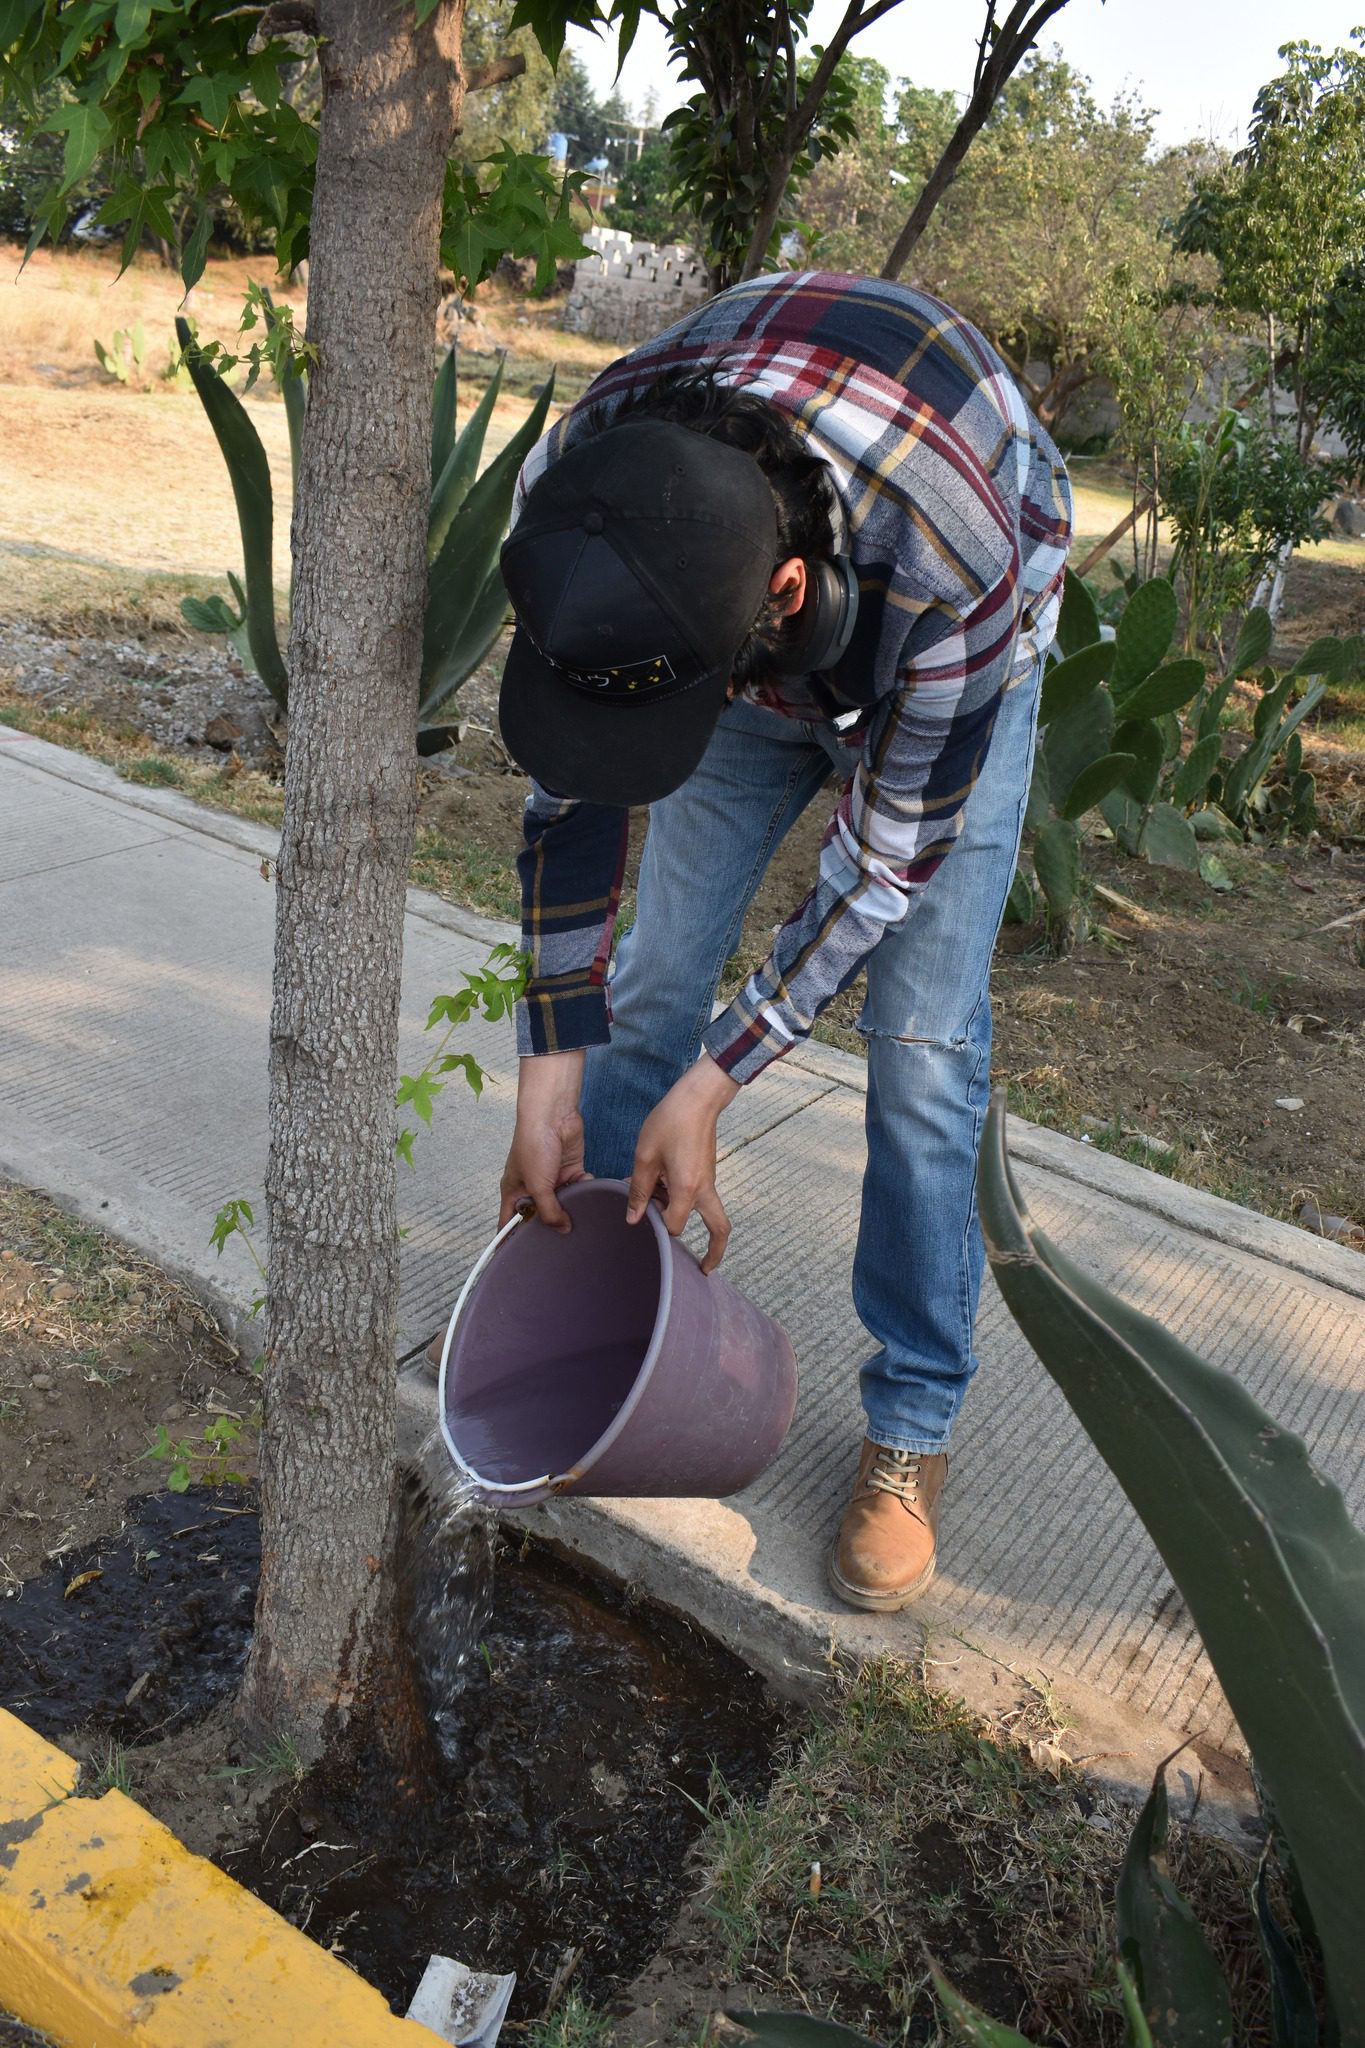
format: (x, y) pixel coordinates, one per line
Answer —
(112, 1935)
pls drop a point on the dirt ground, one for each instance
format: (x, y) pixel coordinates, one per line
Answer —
(635, 1829)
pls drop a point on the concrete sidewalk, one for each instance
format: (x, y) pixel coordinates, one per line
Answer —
(135, 937)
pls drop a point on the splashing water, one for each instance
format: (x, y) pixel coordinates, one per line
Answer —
(450, 1577)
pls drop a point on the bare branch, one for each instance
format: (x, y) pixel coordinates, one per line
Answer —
(496, 72)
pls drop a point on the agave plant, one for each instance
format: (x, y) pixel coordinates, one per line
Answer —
(466, 601)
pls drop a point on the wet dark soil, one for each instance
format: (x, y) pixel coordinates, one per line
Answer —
(554, 1844)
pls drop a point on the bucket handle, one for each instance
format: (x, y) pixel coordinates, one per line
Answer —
(522, 1486)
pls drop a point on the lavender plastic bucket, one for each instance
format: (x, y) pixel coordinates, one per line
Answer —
(605, 1362)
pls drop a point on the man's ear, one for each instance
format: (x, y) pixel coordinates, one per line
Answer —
(789, 580)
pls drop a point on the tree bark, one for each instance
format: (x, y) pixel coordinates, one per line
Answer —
(326, 1664)
(998, 60)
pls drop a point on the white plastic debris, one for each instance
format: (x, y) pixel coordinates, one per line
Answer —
(1289, 1102)
(461, 2005)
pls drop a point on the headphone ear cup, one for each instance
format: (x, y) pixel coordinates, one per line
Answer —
(823, 627)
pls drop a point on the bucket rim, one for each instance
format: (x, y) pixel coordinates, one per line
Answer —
(494, 1490)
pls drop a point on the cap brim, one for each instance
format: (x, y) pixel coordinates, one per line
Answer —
(602, 752)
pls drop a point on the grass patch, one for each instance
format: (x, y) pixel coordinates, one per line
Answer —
(482, 878)
(66, 595)
(938, 1835)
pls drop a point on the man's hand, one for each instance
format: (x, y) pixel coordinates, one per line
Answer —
(677, 1156)
(547, 1144)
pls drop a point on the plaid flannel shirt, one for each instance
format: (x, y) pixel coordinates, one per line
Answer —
(958, 513)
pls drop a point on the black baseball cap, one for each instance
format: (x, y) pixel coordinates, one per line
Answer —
(636, 570)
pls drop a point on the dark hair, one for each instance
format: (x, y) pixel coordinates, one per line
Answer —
(803, 496)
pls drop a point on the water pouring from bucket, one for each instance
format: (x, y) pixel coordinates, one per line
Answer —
(603, 1361)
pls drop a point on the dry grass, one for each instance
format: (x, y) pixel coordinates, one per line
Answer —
(243, 791)
(83, 1292)
(939, 1835)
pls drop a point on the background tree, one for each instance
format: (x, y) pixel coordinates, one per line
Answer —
(1284, 220)
(1000, 51)
(645, 201)
(370, 195)
(518, 111)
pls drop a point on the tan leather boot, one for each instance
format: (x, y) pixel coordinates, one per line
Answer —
(883, 1556)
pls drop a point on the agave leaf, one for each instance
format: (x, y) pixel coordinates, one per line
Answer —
(434, 739)
(443, 407)
(458, 579)
(1211, 710)
(972, 2025)
(1247, 770)
(250, 476)
(1078, 622)
(461, 466)
(1144, 634)
(471, 645)
(1257, 1540)
(797, 2030)
(1170, 689)
(1294, 2013)
(1094, 783)
(1183, 1996)
(1066, 684)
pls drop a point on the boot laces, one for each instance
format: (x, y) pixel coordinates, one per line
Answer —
(895, 1472)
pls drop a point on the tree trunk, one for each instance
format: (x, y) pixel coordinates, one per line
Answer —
(326, 1664)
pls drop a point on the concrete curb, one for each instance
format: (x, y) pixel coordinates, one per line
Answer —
(112, 1935)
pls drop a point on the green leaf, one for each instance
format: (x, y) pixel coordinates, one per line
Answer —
(452, 1010)
(1167, 839)
(797, 2030)
(461, 466)
(418, 1092)
(1139, 2033)
(1141, 738)
(1293, 2008)
(1256, 1538)
(130, 22)
(1211, 711)
(1253, 642)
(1076, 739)
(1144, 633)
(1180, 1986)
(1019, 902)
(1078, 622)
(970, 2024)
(402, 1145)
(249, 473)
(1069, 681)
(1095, 782)
(208, 614)
(1321, 658)
(1039, 806)
(88, 130)
(466, 1064)
(196, 249)
(1191, 778)
(443, 410)
(1057, 864)
(1170, 689)
(1124, 819)
(470, 646)
(1212, 871)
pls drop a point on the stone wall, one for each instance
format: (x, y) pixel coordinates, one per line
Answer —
(627, 291)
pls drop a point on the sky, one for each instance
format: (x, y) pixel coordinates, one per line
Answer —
(1199, 63)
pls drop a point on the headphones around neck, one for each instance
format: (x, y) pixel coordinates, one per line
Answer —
(819, 634)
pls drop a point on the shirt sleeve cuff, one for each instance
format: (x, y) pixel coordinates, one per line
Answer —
(562, 1017)
(743, 1040)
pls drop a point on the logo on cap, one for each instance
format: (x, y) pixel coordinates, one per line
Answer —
(622, 679)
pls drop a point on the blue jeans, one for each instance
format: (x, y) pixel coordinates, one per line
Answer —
(927, 1021)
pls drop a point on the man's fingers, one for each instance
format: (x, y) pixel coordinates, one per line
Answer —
(712, 1213)
(644, 1182)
